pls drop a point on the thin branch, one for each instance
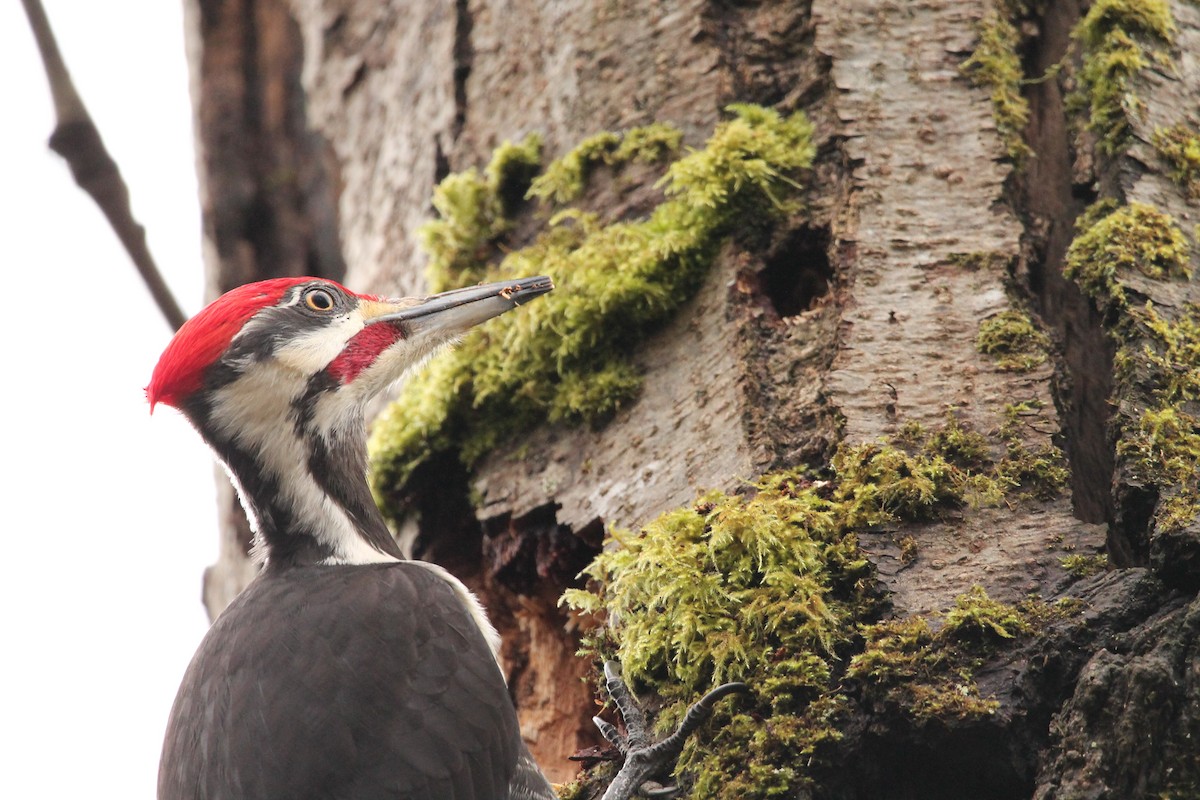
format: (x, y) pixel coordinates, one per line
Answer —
(78, 141)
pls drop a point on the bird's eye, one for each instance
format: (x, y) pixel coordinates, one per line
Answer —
(318, 300)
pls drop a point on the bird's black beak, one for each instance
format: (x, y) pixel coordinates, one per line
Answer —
(461, 309)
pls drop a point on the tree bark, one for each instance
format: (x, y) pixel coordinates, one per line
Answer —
(324, 125)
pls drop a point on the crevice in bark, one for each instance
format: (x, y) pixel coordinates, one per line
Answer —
(1131, 523)
(272, 181)
(464, 56)
(1051, 201)
(441, 162)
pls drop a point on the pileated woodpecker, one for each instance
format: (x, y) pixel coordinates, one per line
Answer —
(343, 671)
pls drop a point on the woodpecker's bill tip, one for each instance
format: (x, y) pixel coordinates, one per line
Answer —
(459, 309)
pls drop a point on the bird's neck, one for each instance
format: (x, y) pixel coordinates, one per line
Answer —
(304, 486)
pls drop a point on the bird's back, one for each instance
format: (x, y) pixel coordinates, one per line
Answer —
(364, 682)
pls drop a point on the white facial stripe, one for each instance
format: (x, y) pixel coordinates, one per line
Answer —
(254, 412)
(312, 352)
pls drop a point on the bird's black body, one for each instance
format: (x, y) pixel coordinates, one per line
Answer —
(377, 674)
(343, 672)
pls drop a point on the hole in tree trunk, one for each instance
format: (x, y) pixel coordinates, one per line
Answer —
(524, 553)
(797, 272)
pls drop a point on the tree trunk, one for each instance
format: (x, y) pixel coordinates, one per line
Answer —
(852, 321)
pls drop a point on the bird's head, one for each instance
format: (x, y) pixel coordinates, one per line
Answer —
(276, 374)
(286, 335)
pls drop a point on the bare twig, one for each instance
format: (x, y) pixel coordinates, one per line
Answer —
(78, 141)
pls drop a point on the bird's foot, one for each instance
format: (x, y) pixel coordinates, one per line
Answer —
(643, 760)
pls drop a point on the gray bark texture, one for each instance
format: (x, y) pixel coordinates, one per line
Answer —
(324, 125)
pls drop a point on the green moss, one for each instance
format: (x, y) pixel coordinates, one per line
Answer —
(567, 357)
(1157, 363)
(764, 589)
(1179, 147)
(475, 211)
(880, 483)
(1165, 448)
(978, 260)
(1082, 566)
(772, 589)
(1042, 471)
(906, 666)
(1119, 39)
(977, 617)
(911, 433)
(995, 65)
(958, 445)
(1162, 443)
(1150, 18)
(1013, 340)
(570, 791)
(565, 179)
(906, 669)
(1014, 412)
(1130, 237)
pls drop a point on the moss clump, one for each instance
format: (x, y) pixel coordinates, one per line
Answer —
(1081, 566)
(773, 590)
(1119, 38)
(978, 260)
(765, 589)
(1039, 471)
(1162, 443)
(949, 466)
(1179, 147)
(907, 667)
(569, 791)
(1172, 353)
(958, 445)
(996, 66)
(977, 617)
(1131, 237)
(1042, 471)
(567, 356)
(565, 179)
(880, 483)
(1165, 449)
(1157, 365)
(475, 211)
(1012, 339)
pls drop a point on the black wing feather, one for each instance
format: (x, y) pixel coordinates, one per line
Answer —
(365, 682)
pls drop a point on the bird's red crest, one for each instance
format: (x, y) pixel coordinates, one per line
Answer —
(204, 337)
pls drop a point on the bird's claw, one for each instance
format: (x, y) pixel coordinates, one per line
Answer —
(653, 789)
(642, 759)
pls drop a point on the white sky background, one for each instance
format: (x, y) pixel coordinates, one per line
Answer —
(108, 513)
